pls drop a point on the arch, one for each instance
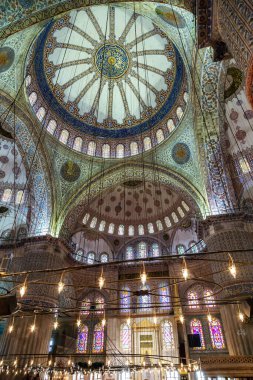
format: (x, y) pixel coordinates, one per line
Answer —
(196, 328)
(120, 151)
(134, 149)
(41, 113)
(147, 143)
(91, 150)
(106, 151)
(159, 136)
(64, 136)
(78, 142)
(51, 127)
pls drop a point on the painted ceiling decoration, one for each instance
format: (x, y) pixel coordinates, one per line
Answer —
(7, 56)
(233, 81)
(107, 81)
(181, 153)
(170, 16)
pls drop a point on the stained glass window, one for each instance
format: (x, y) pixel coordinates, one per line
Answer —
(129, 253)
(193, 300)
(64, 136)
(155, 250)
(98, 338)
(196, 328)
(93, 222)
(181, 212)
(145, 300)
(244, 164)
(79, 255)
(216, 334)
(102, 226)
(100, 303)
(85, 307)
(51, 126)
(131, 231)
(179, 112)
(121, 229)
(174, 217)
(159, 225)
(86, 218)
(91, 258)
(125, 300)
(125, 336)
(111, 228)
(209, 298)
(142, 250)
(91, 148)
(28, 80)
(147, 143)
(164, 296)
(104, 258)
(78, 144)
(20, 197)
(106, 149)
(186, 97)
(7, 195)
(150, 228)
(194, 247)
(120, 150)
(167, 221)
(141, 229)
(41, 113)
(167, 335)
(159, 135)
(180, 249)
(33, 98)
(82, 339)
(170, 125)
(185, 206)
(134, 148)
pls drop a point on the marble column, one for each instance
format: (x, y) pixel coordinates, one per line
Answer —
(228, 233)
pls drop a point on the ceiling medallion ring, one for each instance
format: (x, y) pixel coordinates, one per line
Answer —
(112, 60)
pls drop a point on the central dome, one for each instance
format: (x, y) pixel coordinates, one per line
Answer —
(112, 61)
(109, 76)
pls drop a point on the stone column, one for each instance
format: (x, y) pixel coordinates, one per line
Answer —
(41, 299)
(230, 233)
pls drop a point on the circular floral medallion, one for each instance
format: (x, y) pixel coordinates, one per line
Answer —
(7, 56)
(70, 171)
(181, 153)
(112, 61)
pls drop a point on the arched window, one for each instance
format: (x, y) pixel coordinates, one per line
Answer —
(93, 222)
(150, 228)
(186, 97)
(86, 218)
(91, 150)
(193, 300)
(134, 148)
(104, 258)
(244, 165)
(20, 197)
(41, 113)
(155, 250)
(129, 253)
(28, 80)
(209, 298)
(120, 151)
(164, 297)
(141, 229)
(7, 195)
(167, 335)
(102, 226)
(180, 249)
(121, 229)
(98, 339)
(125, 300)
(216, 334)
(51, 126)
(130, 230)
(181, 212)
(78, 142)
(85, 307)
(167, 221)
(145, 300)
(90, 258)
(174, 217)
(111, 228)
(147, 143)
(142, 250)
(64, 136)
(159, 136)
(33, 98)
(159, 225)
(106, 151)
(79, 256)
(185, 206)
(193, 246)
(125, 336)
(179, 112)
(99, 305)
(170, 125)
(82, 339)
(196, 328)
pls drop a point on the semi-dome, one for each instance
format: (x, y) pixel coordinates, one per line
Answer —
(105, 84)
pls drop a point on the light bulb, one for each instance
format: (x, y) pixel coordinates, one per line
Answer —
(69, 362)
(31, 362)
(181, 318)
(128, 321)
(209, 317)
(241, 316)
(155, 319)
(78, 322)
(144, 363)
(101, 282)
(89, 362)
(232, 269)
(32, 328)
(185, 273)
(56, 324)
(103, 322)
(49, 362)
(144, 278)
(11, 327)
(22, 290)
(60, 286)
(1, 362)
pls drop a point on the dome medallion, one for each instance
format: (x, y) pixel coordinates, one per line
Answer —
(109, 89)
